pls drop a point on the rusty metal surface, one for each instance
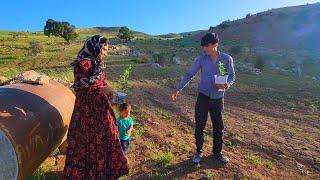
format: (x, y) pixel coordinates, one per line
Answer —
(35, 119)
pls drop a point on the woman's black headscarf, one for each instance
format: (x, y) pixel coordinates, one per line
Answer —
(90, 50)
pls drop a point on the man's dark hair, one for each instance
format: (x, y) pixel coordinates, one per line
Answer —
(209, 38)
(124, 106)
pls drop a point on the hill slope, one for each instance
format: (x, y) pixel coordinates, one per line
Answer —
(288, 36)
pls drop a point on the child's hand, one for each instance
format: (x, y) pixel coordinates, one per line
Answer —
(129, 132)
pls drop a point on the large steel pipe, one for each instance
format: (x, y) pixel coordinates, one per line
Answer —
(33, 121)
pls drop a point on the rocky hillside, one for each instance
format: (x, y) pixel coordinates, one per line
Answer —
(288, 37)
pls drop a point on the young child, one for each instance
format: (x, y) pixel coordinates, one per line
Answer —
(125, 125)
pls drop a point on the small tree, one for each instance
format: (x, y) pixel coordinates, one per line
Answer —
(123, 81)
(68, 33)
(35, 48)
(222, 69)
(61, 29)
(50, 28)
(125, 34)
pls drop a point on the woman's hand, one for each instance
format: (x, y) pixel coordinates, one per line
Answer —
(107, 90)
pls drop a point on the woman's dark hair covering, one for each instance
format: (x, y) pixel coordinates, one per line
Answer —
(90, 50)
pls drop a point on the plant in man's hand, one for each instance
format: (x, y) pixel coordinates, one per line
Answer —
(222, 69)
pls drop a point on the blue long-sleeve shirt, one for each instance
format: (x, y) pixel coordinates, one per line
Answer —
(208, 69)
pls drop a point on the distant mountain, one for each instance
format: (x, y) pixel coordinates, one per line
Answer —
(170, 35)
(111, 31)
(287, 34)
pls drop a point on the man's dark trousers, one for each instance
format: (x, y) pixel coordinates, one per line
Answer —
(205, 105)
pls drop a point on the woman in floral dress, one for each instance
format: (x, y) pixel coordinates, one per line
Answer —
(94, 150)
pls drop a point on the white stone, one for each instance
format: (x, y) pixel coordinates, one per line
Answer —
(32, 77)
(155, 65)
(176, 60)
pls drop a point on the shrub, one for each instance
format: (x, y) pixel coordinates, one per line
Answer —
(164, 159)
(256, 159)
(35, 48)
(125, 34)
(158, 58)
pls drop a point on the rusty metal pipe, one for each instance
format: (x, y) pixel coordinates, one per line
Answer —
(33, 121)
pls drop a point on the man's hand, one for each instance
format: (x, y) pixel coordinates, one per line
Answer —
(174, 95)
(221, 86)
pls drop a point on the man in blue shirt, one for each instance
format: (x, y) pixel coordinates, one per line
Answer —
(210, 97)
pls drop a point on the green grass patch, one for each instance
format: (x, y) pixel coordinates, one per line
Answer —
(43, 173)
(164, 159)
(208, 174)
(235, 141)
(183, 146)
(138, 131)
(256, 159)
(163, 113)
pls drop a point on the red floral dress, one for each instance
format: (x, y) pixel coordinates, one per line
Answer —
(94, 150)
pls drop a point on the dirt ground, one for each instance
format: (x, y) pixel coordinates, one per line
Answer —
(261, 141)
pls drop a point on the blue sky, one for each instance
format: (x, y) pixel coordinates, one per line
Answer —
(150, 16)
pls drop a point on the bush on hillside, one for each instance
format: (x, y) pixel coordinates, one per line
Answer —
(15, 35)
(143, 59)
(35, 48)
(159, 58)
(125, 34)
